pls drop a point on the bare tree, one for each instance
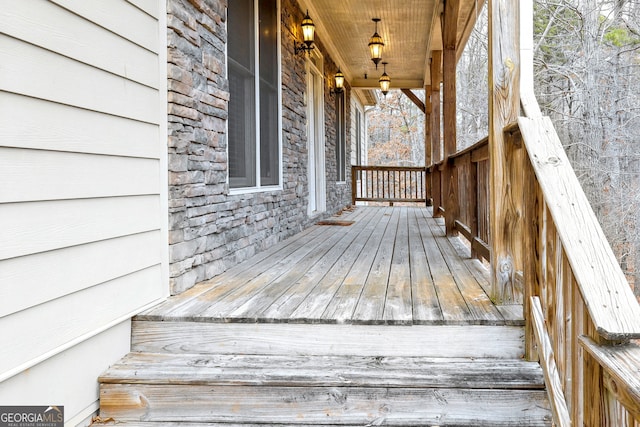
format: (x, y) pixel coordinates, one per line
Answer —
(587, 66)
(472, 122)
(396, 132)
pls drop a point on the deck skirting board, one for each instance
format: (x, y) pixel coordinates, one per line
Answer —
(320, 339)
(317, 406)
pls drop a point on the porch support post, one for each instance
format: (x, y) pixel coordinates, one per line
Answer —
(504, 107)
(436, 154)
(427, 126)
(449, 41)
(428, 161)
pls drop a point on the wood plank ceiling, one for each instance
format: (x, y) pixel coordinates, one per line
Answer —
(410, 29)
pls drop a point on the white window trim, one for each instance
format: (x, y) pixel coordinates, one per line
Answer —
(258, 187)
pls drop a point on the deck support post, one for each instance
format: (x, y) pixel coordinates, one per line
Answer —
(449, 59)
(428, 160)
(504, 107)
(436, 153)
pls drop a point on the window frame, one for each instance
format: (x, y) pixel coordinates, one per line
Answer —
(258, 187)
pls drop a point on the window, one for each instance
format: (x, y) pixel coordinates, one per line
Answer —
(254, 103)
(341, 136)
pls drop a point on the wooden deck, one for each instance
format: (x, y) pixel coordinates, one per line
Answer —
(392, 265)
(311, 332)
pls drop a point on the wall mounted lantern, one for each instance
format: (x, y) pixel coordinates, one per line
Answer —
(385, 80)
(376, 44)
(308, 34)
(339, 82)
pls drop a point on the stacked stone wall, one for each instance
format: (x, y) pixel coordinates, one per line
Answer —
(211, 230)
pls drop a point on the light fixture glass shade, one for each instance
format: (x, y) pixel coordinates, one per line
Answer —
(375, 47)
(385, 81)
(339, 78)
(308, 29)
(376, 44)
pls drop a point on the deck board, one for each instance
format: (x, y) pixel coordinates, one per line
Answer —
(426, 307)
(371, 302)
(343, 305)
(398, 305)
(393, 265)
(454, 307)
(316, 302)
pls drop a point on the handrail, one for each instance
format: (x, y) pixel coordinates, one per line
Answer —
(388, 184)
(586, 300)
(612, 307)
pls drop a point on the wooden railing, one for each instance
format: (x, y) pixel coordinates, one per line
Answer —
(468, 189)
(580, 312)
(388, 184)
(574, 289)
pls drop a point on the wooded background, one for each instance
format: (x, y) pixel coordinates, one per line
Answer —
(587, 79)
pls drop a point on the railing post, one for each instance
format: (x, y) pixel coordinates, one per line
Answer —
(354, 184)
(437, 190)
(472, 201)
(533, 248)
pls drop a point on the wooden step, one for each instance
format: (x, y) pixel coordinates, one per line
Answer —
(323, 390)
(329, 371)
(188, 337)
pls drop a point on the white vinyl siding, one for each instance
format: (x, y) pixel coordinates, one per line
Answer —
(83, 189)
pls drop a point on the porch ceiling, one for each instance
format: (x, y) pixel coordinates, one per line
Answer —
(410, 29)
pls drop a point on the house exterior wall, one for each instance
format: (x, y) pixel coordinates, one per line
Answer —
(82, 136)
(211, 227)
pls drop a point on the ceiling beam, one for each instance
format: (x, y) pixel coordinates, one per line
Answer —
(468, 27)
(412, 96)
(435, 38)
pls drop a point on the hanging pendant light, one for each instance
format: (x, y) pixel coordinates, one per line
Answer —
(385, 80)
(376, 44)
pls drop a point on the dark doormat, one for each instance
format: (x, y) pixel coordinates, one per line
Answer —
(334, 222)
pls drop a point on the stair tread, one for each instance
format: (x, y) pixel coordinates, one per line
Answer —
(329, 371)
